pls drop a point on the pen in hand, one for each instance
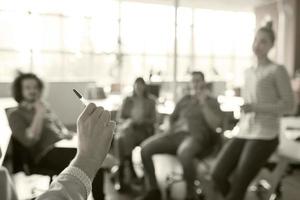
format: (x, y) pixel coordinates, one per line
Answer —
(84, 101)
(81, 98)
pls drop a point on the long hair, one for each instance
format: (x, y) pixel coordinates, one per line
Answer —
(142, 81)
(268, 29)
(198, 73)
(17, 85)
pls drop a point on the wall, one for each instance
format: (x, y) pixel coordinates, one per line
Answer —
(63, 101)
(60, 97)
(268, 12)
(297, 36)
(287, 35)
(5, 90)
(286, 17)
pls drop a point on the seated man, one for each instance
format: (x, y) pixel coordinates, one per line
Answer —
(36, 128)
(191, 135)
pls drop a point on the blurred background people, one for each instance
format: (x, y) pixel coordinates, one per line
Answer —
(191, 135)
(268, 95)
(137, 119)
(36, 128)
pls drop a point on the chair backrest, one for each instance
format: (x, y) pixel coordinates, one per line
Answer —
(5, 134)
(5, 131)
(21, 159)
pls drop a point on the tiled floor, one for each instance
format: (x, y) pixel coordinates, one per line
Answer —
(26, 185)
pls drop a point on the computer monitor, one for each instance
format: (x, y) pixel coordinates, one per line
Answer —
(154, 89)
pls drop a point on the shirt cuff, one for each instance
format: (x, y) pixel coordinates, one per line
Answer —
(81, 176)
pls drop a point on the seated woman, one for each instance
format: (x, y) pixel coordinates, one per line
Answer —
(137, 115)
(36, 128)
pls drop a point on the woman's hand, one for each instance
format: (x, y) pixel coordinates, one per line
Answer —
(247, 108)
(68, 135)
(95, 132)
(34, 131)
(40, 108)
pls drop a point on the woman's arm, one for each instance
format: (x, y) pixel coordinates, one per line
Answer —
(124, 112)
(26, 135)
(95, 132)
(285, 103)
(151, 116)
(34, 131)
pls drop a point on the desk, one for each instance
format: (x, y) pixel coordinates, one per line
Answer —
(290, 130)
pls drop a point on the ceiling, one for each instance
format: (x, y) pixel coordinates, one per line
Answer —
(216, 4)
(240, 4)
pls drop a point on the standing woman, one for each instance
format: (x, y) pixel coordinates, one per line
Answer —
(268, 95)
(137, 116)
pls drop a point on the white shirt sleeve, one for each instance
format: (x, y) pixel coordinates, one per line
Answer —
(71, 184)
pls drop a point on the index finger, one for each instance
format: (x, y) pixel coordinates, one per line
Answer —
(89, 109)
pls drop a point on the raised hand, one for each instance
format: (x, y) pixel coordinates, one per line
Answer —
(95, 132)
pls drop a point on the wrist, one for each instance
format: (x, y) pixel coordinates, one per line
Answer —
(86, 164)
(39, 113)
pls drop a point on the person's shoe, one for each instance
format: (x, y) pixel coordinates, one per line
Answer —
(196, 197)
(151, 195)
(192, 198)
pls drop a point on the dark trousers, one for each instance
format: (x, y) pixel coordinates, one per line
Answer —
(126, 140)
(181, 144)
(238, 163)
(59, 158)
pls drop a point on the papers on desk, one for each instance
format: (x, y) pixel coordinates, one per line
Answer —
(292, 133)
(67, 143)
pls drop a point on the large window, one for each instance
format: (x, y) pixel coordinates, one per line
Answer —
(59, 41)
(107, 40)
(223, 43)
(147, 39)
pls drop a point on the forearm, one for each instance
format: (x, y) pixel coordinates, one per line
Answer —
(214, 119)
(89, 166)
(71, 184)
(35, 129)
(279, 108)
(95, 136)
(75, 182)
